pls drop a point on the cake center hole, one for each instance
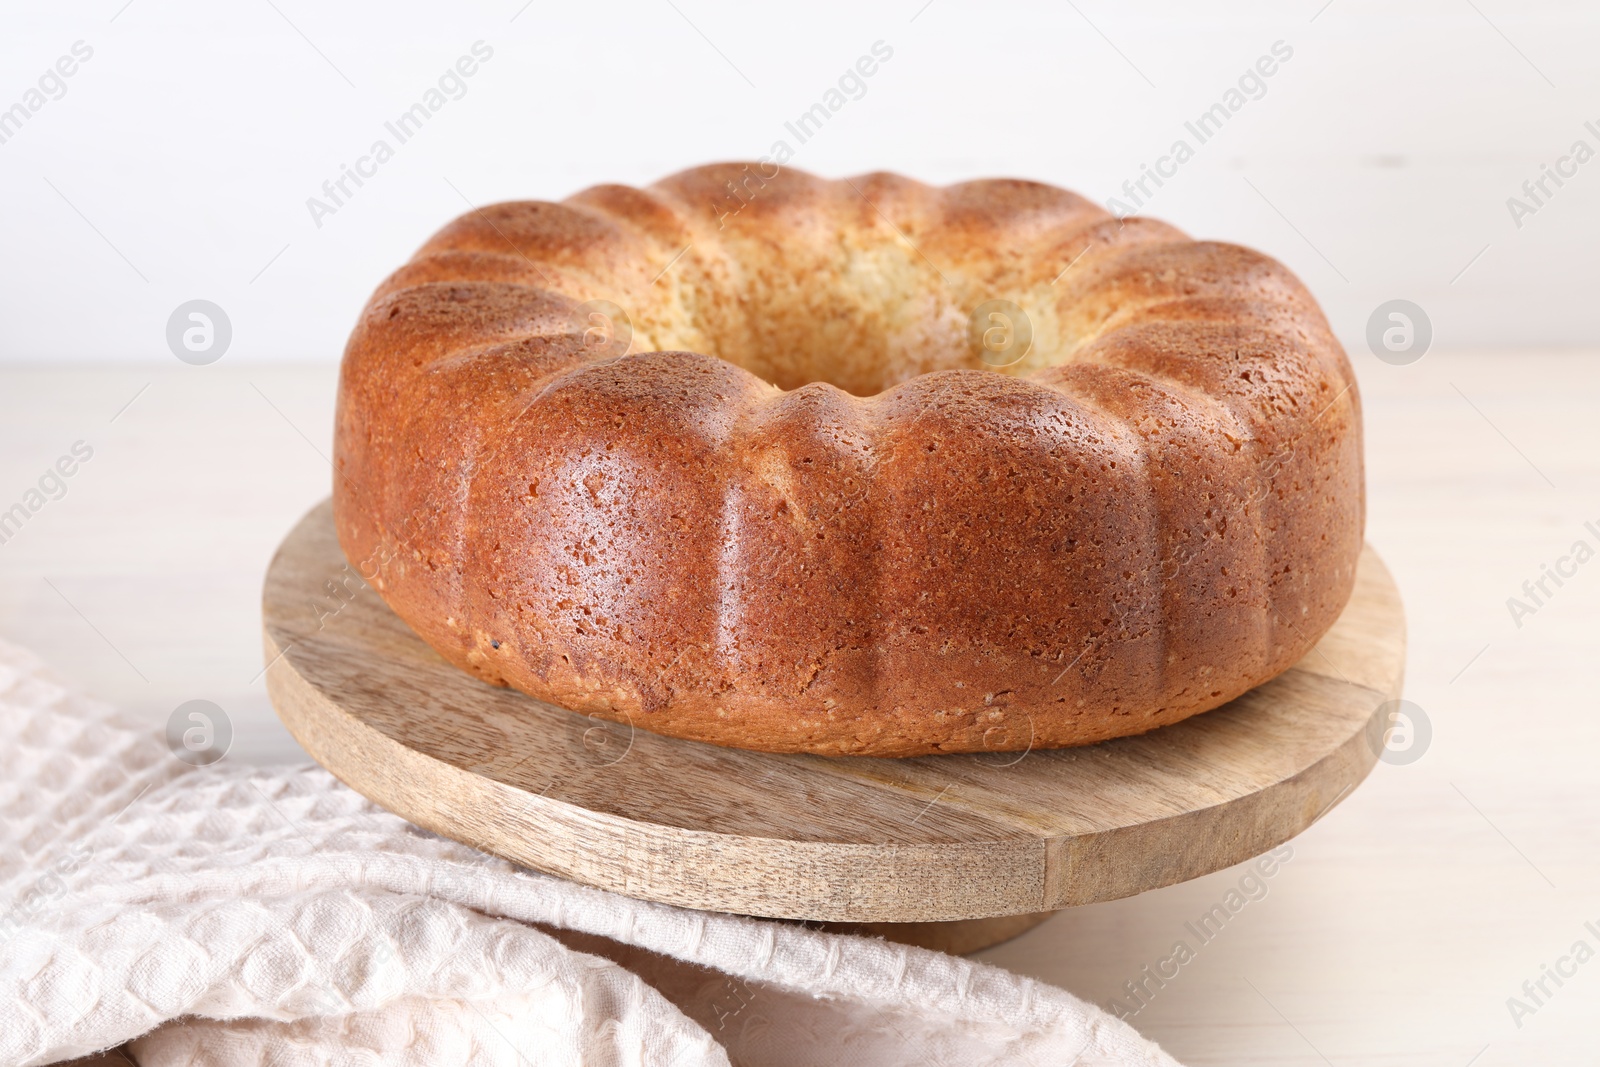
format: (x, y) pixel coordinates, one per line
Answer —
(865, 320)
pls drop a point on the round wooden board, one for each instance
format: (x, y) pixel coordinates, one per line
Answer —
(1000, 837)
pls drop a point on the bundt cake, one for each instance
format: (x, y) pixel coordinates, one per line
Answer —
(851, 467)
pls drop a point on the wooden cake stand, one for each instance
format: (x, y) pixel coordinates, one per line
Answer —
(951, 852)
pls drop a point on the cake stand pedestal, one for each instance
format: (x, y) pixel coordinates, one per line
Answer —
(951, 852)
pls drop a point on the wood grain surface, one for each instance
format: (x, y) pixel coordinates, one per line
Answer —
(859, 840)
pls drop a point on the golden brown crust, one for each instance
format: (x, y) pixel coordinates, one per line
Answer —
(847, 535)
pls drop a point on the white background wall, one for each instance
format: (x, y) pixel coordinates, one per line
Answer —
(1377, 165)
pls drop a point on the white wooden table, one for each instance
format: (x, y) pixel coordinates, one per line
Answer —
(1396, 933)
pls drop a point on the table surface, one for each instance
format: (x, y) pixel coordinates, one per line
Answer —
(1398, 931)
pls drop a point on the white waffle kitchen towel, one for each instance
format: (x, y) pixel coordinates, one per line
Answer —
(232, 915)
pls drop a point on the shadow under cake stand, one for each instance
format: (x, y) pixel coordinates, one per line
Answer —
(954, 852)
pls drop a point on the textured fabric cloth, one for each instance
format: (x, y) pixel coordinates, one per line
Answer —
(280, 918)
